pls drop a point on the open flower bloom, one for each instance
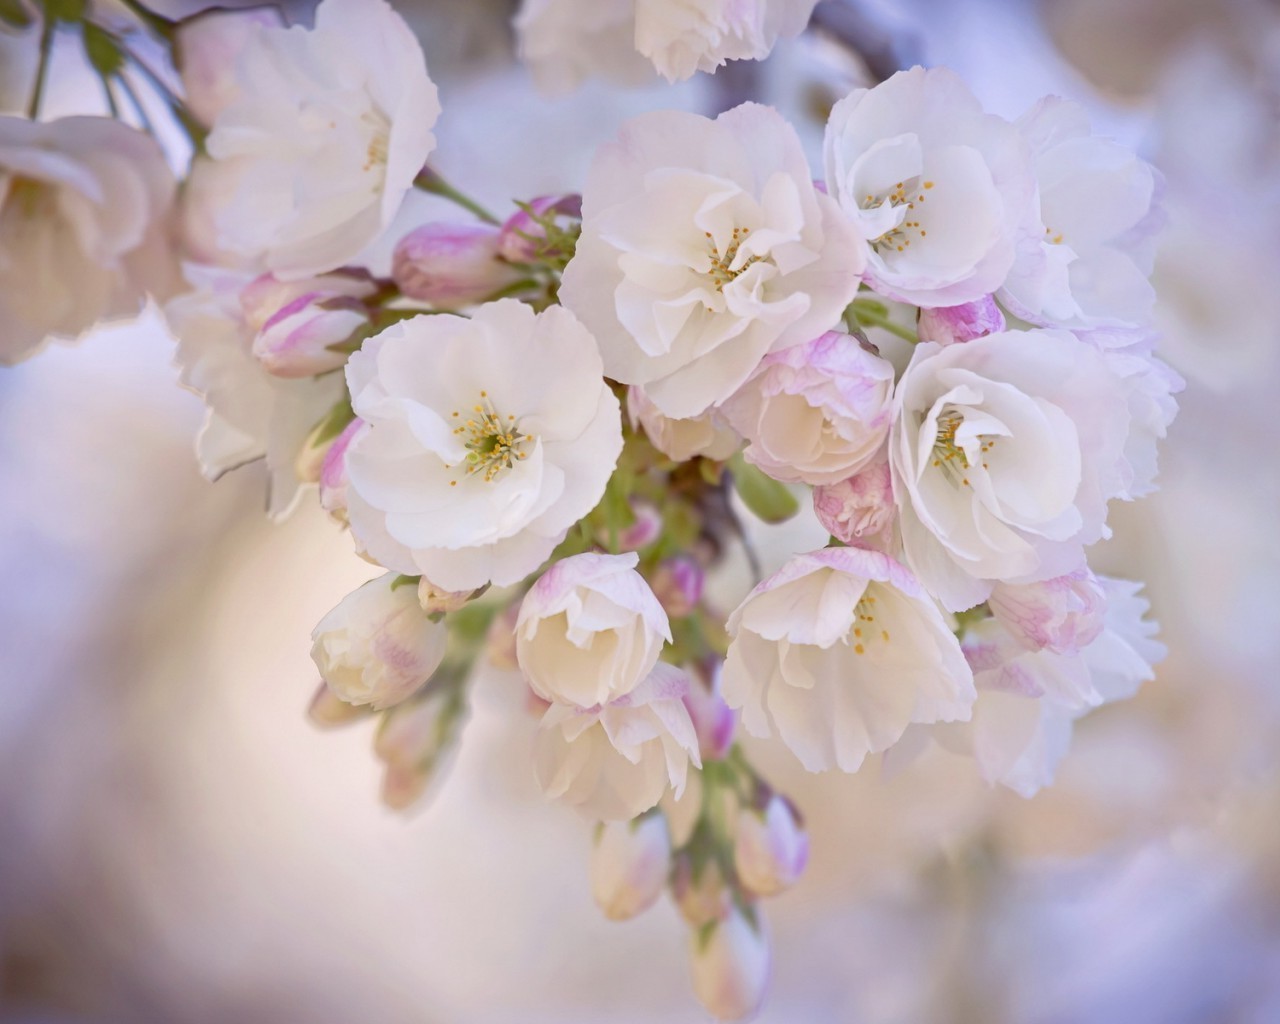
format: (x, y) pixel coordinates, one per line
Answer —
(615, 761)
(684, 36)
(84, 219)
(252, 414)
(1028, 701)
(706, 434)
(590, 630)
(705, 245)
(377, 646)
(838, 652)
(1090, 246)
(937, 187)
(814, 413)
(485, 439)
(327, 131)
(564, 42)
(1005, 451)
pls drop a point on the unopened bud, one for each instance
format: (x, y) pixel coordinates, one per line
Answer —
(523, 240)
(860, 509)
(644, 531)
(771, 848)
(630, 862)
(333, 472)
(730, 962)
(701, 896)
(329, 711)
(297, 323)
(677, 583)
(500, 641)
(953, 325)
(414, 741)
(451, 265)
(713, 720)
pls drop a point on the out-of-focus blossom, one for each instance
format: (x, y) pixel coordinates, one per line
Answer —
(251, 413)
(646, 528)
(815, 413)
(630, 861)
(327, 131)
(333, 472)
(730, 960)
(937, 187)
(770, 847)
(377, 646)
(1005, 451)
(678, 583)
(414, 742)
(485, 440)
(713, 720)
(590, 630)
(701, 895)
(205, 50)
(435, 601)
(564, 42)
(614, 761)
(523, 240)
(951, 325)
(500, 641)
(684, 36)
(679, 439)
(858, 510)
(1088, 250)
(837, 653)
(704, 246)
(1062, 615)
(451, 265)
(84, 228)
(297, 323)
(329, 711)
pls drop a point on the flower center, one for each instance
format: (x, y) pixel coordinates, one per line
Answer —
(722, 270)
(950, 456)
(379, 140)
(28, 196)
(493, 443)
(865, 629)
(908, 193)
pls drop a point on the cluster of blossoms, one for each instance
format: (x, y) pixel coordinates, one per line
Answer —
(544, 427)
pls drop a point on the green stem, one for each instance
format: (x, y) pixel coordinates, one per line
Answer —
(47, 33)
(136, 102)
(430, 181)
(160, 25)
(874, 318)
(195, 130)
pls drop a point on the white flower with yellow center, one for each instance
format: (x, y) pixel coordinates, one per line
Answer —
(704, 246)
(838, 652)
(485, 439)
(325, 132)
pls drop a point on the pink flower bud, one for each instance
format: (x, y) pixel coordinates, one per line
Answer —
(297, 322)
(328, 711)
(858, 509)
(770, 848)
(414, 741)
(702, 899)
(434, 600)
(644, 531)
(333, 472)
(677, 583)
(713, 720)
(951, 325)
(451, 265)
(630, 862)
(522, 239)
(730, 961)
(1062, 615)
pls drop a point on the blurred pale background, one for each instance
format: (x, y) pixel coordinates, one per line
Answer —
(178, 844)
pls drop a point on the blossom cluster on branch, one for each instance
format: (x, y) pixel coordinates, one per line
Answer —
(546, 426)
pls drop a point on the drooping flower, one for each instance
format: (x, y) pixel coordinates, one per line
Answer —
(1005, 451)
(252, 414)
(951, 325)
(485, 439)
(630, 861)
(1090, 244)
(730, 961)
(815, 413)
(614, 761)
(704, 246)
(707, 434)
(377, 646)
(937, 187)
(770, 847)
(564, 42)
(837, 653)
(327, 131)
(590, 630)
(684, 36)
(84, 228)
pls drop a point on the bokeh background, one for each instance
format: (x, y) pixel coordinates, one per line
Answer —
(178, 843)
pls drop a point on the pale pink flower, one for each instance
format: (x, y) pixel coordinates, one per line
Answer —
(297, 324)
(707, 434)
(685, 36)
(952, 325)
(859, 510)
(630, 861)
(451, 265)
(730, 961)
(770, 847)
(1062, 615)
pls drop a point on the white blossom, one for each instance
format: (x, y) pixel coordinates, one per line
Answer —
(615, 761)
(704, 246)
(206, 47)
(815, 413)
(485, 439)
(630, 861)
(707, 434)
(685, 36)
(937, 187)
(564, 42)
(837, 653)
(377, 646)
(327, 131)
(590, 630)
(84, 228)
(1090, 245)
(1062, 615)
(1005, 451)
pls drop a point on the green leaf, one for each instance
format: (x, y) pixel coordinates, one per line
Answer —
(65, 10)
(16, 14)
(333, 424)
(765, 497)
(103, 50)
